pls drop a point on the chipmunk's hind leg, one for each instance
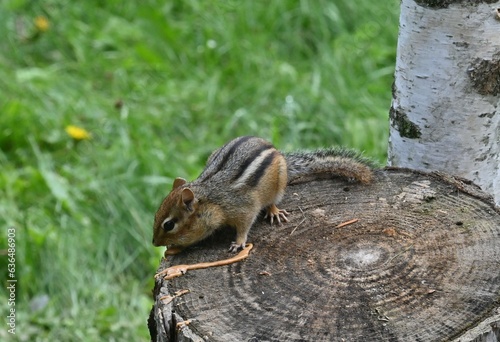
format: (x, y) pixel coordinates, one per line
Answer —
(276, 184)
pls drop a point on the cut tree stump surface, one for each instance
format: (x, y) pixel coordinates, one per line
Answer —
(422, 263)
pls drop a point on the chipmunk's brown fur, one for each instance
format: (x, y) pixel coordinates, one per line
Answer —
(240, 179)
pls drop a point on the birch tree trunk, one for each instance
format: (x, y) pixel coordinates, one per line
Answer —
(445, 111)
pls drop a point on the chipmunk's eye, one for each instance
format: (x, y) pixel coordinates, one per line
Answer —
(169, 224)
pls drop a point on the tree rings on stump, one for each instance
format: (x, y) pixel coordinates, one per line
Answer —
(417, 260)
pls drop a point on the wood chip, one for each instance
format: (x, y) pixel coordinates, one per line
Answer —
(179, 270)
(390, 232)
(343, 224)
(167, 299)
(181, 325)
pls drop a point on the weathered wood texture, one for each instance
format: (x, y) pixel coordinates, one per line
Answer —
(421, 264)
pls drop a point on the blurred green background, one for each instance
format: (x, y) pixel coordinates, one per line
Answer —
(152, 89)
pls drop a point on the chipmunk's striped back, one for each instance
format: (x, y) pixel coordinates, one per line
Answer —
(241, 162)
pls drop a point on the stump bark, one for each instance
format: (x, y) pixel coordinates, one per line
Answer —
(422, 263)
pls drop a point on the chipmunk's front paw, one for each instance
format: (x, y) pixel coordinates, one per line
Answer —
(172, 250)
(236, 247)
(274, 213)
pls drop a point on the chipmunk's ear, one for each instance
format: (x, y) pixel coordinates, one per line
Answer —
(178, 182)
(187, 196)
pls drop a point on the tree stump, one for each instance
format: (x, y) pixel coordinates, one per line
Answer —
(422, 263)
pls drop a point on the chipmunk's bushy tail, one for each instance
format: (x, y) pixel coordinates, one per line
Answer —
(328, 163)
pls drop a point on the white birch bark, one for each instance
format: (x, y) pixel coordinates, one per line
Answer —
(445, 112)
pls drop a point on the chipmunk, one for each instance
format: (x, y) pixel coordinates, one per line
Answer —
(240, 179)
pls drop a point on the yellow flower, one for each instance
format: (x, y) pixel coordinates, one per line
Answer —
(41, 23)
(77, 133)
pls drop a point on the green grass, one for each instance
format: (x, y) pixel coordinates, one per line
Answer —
(189, 75)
